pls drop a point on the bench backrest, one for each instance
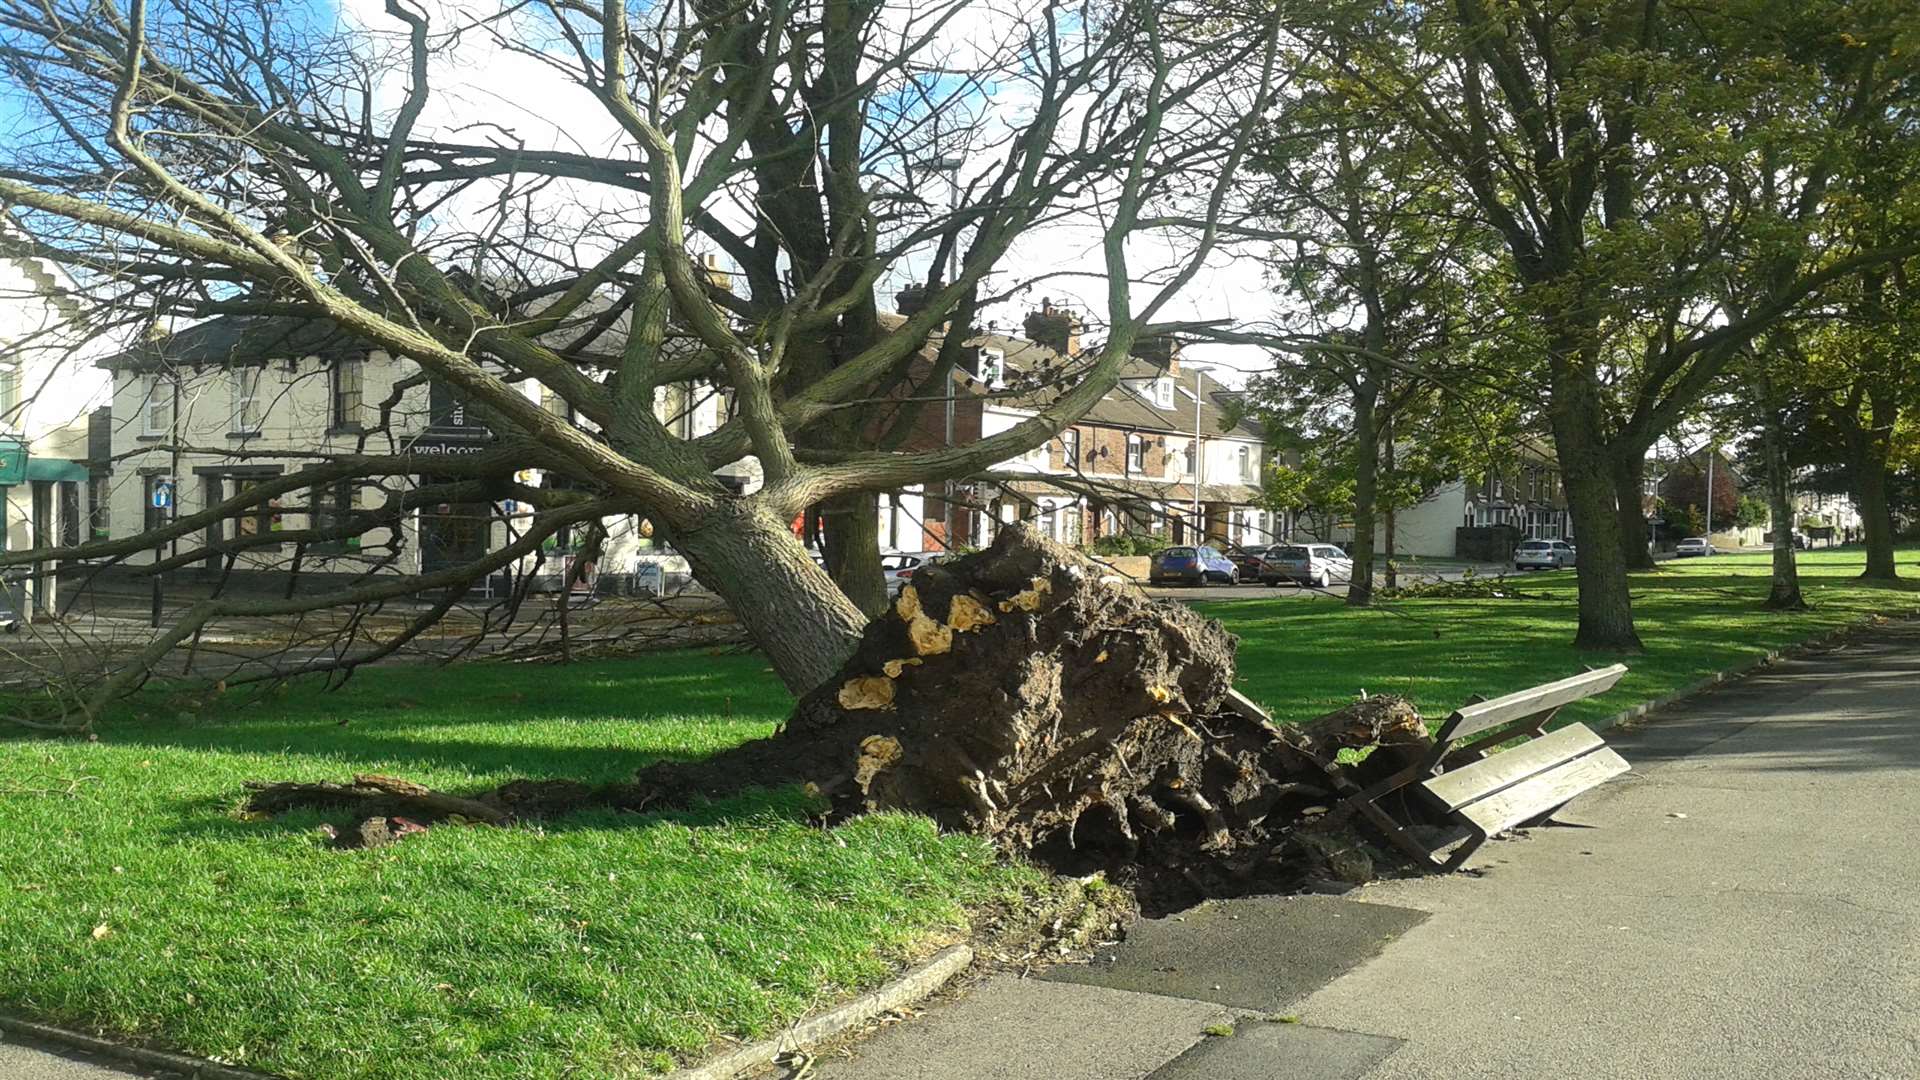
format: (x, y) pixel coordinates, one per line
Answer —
(1484, 716)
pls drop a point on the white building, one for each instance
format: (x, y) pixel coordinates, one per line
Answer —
(198, 415)
(48, 390)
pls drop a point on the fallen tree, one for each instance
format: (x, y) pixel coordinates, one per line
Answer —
(1024, 695)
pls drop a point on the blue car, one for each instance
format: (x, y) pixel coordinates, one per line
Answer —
(1192, 566)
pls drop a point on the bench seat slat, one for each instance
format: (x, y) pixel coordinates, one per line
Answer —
(1458, 787)
(1543, 792)
(1469, 720)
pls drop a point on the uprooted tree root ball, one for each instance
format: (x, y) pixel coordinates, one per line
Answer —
(1022, 695)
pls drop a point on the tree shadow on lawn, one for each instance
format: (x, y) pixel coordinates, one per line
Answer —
(217, 817)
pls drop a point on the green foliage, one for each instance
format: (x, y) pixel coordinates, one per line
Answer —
(1751, 513)
(1126, 544)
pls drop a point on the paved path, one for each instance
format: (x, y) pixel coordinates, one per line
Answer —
(1745, 904)
(22, 1061)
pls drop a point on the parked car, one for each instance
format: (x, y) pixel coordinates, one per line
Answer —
(898, 569)
(1543, 555)
(1252, 561)
(1694, 546)
(1801, 541)
(1192, 566)
(1319, 565)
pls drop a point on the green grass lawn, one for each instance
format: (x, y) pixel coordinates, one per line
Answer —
(599, 946)
(1303, 658)
(134, 899)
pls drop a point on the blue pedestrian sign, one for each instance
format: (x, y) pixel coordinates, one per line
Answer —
(163, 495)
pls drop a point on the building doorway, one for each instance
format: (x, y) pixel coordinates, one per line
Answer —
(453, 534)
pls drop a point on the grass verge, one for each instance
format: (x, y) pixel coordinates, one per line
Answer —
(135, 901)
(1303, 658)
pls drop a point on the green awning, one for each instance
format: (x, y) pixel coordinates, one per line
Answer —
(52, 469)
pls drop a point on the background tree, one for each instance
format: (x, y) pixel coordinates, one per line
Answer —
(189, 160)
(1617, 151)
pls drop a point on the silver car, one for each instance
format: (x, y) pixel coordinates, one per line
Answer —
(1543, 555)
(1317, 565)
(1694, 547)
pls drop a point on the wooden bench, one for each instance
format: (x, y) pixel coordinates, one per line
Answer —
(1484, 793)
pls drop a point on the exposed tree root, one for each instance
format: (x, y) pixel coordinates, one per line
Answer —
(1016, 695)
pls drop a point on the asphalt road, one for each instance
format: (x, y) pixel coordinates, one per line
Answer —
(1253, 591)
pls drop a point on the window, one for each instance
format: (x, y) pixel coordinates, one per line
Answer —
(99, 507)
(1072, 528)
(348, 382)
(1070, 448)
(156, 411)
(1048, 523)
(676, 409)
(245, 386)
(333, 505)
(1136, 454)
(9, 394)
(257, 520)
(69, 513)
(1245, 457)
(1163, 392)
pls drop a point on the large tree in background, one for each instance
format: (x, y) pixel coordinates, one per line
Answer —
(1373, 271)
(1621, 154)
(189, 160)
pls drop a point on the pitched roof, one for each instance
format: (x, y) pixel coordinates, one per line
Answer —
(239, 339)
(1122, 407)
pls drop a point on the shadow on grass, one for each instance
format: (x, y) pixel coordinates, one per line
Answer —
(217, 818)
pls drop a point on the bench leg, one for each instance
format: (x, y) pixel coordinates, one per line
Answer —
(1464, 852)
(1395, 832)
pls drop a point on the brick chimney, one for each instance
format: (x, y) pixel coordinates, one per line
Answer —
(1161, 350)
(911, 300)
(1055, 327)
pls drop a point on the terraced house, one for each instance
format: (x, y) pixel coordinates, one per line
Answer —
(1159, 455)
(51, 485)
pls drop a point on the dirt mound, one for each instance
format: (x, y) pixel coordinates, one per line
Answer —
(1018, 695)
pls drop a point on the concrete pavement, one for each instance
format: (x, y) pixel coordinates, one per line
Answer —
(1742, 905)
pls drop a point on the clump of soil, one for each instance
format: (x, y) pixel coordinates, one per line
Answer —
(1020, 695)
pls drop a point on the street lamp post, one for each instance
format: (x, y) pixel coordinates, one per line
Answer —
(950, 164)
(1199, 453)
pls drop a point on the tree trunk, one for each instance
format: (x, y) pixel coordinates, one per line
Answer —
(1876, 518)
(1388, 523)
(1629, 484)
(1366, 488)
(1606, 607)
(789, 605)
(852, 548)
(1785, 593)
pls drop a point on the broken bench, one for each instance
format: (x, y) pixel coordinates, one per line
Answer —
(1483, 793)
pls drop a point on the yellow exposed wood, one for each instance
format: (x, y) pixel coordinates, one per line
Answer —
(877, 753)
(1029, 599)
(867, 692)
(965, 614)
